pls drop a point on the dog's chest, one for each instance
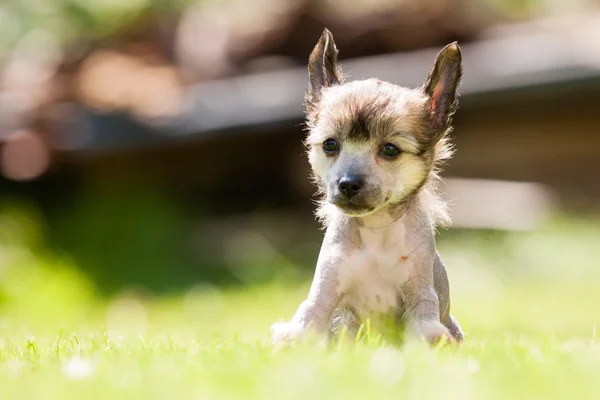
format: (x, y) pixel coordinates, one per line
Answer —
(372, 274)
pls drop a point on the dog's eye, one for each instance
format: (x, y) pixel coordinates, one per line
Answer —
(330, 146)
(390, 151)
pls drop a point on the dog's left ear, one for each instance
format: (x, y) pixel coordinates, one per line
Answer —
(323, 68)
(441, 87)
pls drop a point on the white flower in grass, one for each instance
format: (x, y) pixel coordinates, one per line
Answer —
(386, 366)
(78, 368)
(472, 365)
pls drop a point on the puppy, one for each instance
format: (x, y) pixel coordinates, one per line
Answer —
(375, 150)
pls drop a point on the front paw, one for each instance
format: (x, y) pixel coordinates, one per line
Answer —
(283, 333)
(432, 331)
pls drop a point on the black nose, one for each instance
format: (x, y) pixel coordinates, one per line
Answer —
(349, 185)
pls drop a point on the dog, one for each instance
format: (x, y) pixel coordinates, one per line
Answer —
(376, 149)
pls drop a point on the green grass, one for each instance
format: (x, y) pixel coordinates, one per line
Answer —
(529, 303)
(522, 343)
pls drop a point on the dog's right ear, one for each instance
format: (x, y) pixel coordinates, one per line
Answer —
(323, 68)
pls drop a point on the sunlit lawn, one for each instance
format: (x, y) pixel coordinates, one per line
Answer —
(528, 302)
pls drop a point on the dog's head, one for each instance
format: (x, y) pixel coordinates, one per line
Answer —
(373, 144)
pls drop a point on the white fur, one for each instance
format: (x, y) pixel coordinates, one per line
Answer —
(370, 277)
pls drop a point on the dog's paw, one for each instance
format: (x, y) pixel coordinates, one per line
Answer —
(433, 332)
(284, 333)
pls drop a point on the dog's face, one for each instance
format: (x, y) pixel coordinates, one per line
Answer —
(373, 144)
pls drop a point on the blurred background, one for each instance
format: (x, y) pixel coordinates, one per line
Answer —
(155, 147)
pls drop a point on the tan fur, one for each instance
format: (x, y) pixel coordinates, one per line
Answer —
(395, 114)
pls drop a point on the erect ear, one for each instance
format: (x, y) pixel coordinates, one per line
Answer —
(323, 68)
(441, 87)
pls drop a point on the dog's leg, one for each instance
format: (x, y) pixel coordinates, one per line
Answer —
(455, 329)
(442, 289)
(343, 317)
(315, 312)
(422, 314)
(422, 308)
